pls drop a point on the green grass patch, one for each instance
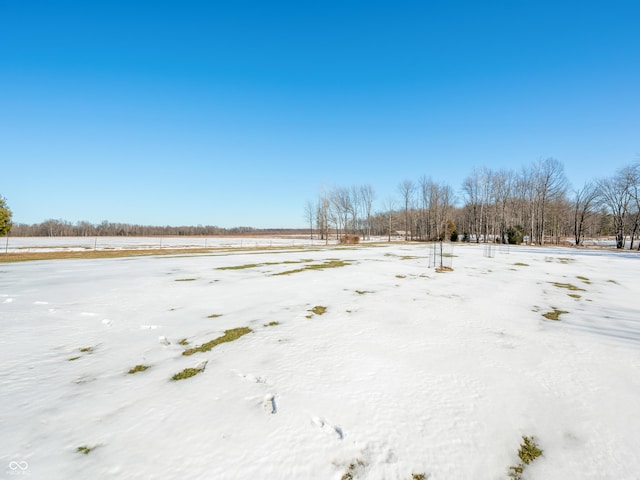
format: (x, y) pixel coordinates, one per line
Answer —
(229, 336)
(86, 349)
(613, 281)
(318, 310)
(184, 279)
(73, 358)
(183, 342)
(568, 286)
(574, 295)
(564, 260)
(85, 450)
(401, 276)
(271, 324)
(528, 452)
(240, 267)
(138, 368)
(330, 263)
(584, 279)
(520, 264)
(214, 315)
(418, 476)
(187, 373)
(362, 292)
(554, 314)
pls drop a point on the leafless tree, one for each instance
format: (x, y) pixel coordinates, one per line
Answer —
(585, 200)
(616, 195)
(406, 189)
(310, 214)
(367, 195)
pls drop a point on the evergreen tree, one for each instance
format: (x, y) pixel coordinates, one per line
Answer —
(5, 217)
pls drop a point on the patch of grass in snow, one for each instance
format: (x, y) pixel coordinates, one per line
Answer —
(214, 315)
(318, 310)
(401, 276)
(184, 279)
(564, 260)
(86, 349)
(445, 269)
(229, 336)
(138, 368)
(240, 267)
(271, 324)
(574, 295)
(329, 263)
(613, 281)
(584, 279)
(568, 286)
(362, 292)
(528, 452)
(352, 469)
(520, 264)
(186, 373)
(86, 450)
(554, 314)
(183, 342)
(254, 265)
(418, 476)
(73, 358)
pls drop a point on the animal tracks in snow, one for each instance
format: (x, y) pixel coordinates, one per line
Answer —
(252, 378)
(269, 403)
(327, 427)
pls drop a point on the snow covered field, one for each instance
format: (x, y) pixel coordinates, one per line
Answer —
(51, 244)
(407, 372)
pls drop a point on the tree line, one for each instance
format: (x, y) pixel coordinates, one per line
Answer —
(63, 228)
(534, 205)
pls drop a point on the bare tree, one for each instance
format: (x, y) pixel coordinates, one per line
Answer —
(584, 201)
(406, 189)
(616, 195)
(389, 208)
(310, 213)
(367, 195)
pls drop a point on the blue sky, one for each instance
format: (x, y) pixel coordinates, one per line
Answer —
(237, 113)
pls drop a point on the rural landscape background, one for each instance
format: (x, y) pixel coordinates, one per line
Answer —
(336, 241)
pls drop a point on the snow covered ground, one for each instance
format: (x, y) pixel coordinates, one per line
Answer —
(50, 244)
(407, 372)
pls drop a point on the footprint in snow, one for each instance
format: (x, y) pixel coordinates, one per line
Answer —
(252, 378)
(325, 426)
(269, 403)
(164, 340)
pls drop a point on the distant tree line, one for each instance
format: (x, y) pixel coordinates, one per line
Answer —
(62, 228)
(534, 205)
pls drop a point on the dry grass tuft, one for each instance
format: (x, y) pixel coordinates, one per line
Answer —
(229, 336)
(349, 239)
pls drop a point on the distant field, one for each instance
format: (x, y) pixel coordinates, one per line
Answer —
(322, 363)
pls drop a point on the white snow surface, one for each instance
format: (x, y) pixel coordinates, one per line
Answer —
(50, 244)
(408, 371)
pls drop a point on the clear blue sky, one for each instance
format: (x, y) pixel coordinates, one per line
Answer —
(238, 112)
